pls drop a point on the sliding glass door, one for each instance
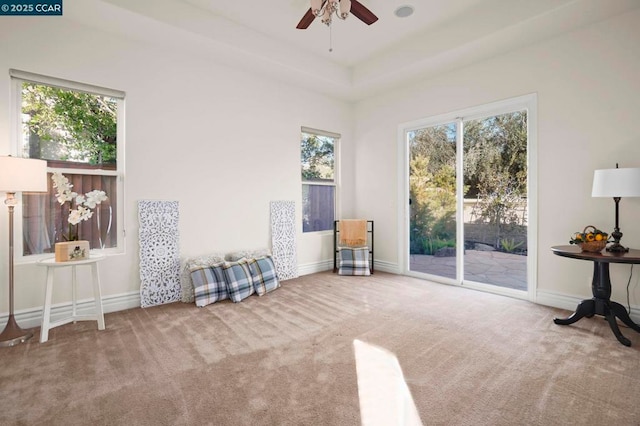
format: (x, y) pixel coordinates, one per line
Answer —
(495, 200)
(432, 199)
(468, 198)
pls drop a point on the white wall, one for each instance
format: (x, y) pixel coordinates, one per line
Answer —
(223, 142)
(588, 87)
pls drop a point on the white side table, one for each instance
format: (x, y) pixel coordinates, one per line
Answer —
(51, 266)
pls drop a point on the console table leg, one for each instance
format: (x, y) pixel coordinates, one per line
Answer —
(586, 308)
(611, 318)
(620, 312)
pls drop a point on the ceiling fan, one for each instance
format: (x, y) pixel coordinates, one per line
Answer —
(326, 8)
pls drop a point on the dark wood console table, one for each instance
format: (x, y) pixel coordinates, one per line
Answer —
(600, 303)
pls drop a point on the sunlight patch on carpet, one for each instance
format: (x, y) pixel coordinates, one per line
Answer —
(384, 396)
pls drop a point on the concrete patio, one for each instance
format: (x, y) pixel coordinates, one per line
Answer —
(490, 267)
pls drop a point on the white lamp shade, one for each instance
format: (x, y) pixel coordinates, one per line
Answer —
(616, 183)
(22, 174)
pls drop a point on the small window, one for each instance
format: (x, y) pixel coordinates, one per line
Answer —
(318, 171)
(75, 128)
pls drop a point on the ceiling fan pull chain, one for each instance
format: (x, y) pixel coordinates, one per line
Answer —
(330, 40)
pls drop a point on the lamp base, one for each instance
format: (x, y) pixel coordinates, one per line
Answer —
(617, 248)
(13, 334)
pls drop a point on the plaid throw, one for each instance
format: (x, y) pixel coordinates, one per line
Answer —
(263, 273)
(354, 261)
(209, 285)
(239, 282)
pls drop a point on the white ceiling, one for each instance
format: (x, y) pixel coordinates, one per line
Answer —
(353, 41)
(441, 35)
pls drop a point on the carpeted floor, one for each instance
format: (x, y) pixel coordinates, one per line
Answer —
(287, 358)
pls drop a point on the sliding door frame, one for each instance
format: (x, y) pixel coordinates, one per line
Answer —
(526, 102)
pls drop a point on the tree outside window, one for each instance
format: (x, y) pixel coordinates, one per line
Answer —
(77, 133)
(318, 152)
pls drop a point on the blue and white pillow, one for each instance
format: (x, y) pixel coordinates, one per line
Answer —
(239, 281)
(209, 284)
(354, 261)
(263, 273)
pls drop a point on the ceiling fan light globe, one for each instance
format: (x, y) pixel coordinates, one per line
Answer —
(345, 8)
(326, 17)
(316, 5)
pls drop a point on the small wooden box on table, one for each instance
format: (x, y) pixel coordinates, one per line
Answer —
(52, 265)
(72, 250)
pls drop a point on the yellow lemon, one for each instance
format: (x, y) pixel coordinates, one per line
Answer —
(590, 237)
(598, 237)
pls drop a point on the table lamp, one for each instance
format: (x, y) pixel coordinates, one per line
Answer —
(616, 183)
(18, 175)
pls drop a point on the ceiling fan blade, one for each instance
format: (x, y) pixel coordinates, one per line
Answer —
(362, 13)
(306, 20)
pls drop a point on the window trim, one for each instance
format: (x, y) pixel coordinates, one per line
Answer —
(17, 78)
(60, 83)
(337, 137)
(320, 132)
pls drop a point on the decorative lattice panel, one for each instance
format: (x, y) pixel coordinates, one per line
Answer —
(159, 252)
(283, 238)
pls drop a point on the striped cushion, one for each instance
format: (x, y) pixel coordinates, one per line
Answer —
(354, 261)
(209, 285)
(263, 273)
(238, 278)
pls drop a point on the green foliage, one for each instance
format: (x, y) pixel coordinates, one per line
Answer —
(421, 244)
(317, 155)
(495, 171)
(499, 200)
(510, 245)
(496, 146)
(432, 189)
(433, 204)
(434, 245)
(71, 125)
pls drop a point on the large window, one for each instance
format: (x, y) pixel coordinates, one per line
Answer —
(78, 130)
(318, 168)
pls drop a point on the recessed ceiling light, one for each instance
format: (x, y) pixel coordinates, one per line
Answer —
(404, 11)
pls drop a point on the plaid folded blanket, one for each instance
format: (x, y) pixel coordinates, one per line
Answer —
(354, 261)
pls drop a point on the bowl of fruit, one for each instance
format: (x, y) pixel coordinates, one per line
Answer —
(591, 239)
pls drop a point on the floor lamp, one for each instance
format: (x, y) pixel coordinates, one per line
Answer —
(18, 175)
(616, 183)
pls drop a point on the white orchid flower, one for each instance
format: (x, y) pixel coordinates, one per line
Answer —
(94, 198)
(84, 203)
(74, 217)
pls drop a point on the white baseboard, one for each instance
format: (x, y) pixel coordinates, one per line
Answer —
(327, 265)
(312, 268)
(563, 301)
(31, 318)
(390, 267)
